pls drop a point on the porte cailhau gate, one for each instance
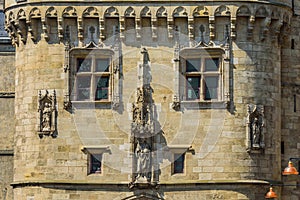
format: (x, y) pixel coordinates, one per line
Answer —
(149, 99)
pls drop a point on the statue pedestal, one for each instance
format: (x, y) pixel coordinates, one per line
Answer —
(142, 182)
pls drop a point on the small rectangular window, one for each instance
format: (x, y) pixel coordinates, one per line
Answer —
(178, 165)
(95, 164)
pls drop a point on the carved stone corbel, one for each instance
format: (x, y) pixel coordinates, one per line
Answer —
(138, 28)
(47, 114)
(250, 27)
(211, 27)
(170, 27)
(60, 29)
(122, 27)
(45, 30)
(265, 28)
(191, 28)
(154, 27)
(232, 28)
(80, 31)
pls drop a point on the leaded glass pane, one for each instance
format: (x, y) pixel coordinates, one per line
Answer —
(211, 64)
(211, 87)
(193, 87)
(84, 65)
(102, 91)
(102, 65)
(83, 87)
(193, 65)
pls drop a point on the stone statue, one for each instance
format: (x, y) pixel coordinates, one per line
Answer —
(46, 122)
(256, 123)
(47, 114)
(143, 154)
(256, 132)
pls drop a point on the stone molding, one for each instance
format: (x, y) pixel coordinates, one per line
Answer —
(7, 94)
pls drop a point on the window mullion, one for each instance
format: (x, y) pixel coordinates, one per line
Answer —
(93, 79)
(202, 80)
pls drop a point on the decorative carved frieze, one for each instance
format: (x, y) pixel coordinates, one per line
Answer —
(47, 114)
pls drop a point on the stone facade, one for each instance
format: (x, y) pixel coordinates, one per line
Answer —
(7, 93)
(227, 139)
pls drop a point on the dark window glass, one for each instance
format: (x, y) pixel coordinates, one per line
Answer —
(84, 65)
(193, 87)
(211, 87)
(83, 87)
(211, 64)
(193, 65)
(95, 163)
(179, 163)
(102, 88)
(102, 65)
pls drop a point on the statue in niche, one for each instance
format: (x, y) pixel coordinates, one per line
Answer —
(47, 114)
(46, 121)
(143, 155)
(256, 123)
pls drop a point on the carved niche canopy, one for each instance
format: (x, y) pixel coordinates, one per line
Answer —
(47, 114)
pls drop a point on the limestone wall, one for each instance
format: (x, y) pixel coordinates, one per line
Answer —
(218, 135)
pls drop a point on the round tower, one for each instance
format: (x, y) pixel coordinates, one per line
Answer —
(196, 86)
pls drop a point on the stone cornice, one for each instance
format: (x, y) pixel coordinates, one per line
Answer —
(188, 184)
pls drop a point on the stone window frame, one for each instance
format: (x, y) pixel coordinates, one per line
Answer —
(97, 150)
(176, 157)
(179, 150)
(180, 78)
(93, 54)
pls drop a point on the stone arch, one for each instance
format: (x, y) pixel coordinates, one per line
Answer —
(69, 12)
(146, 12)
(90, 12)
(243, 11)
(51, 12)
(162, 12)
(200, 11)
(222, 11)
(35, 13)
(261, 12)
(180, 12)
(111, 12)
(129, 12)
(21, 14)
